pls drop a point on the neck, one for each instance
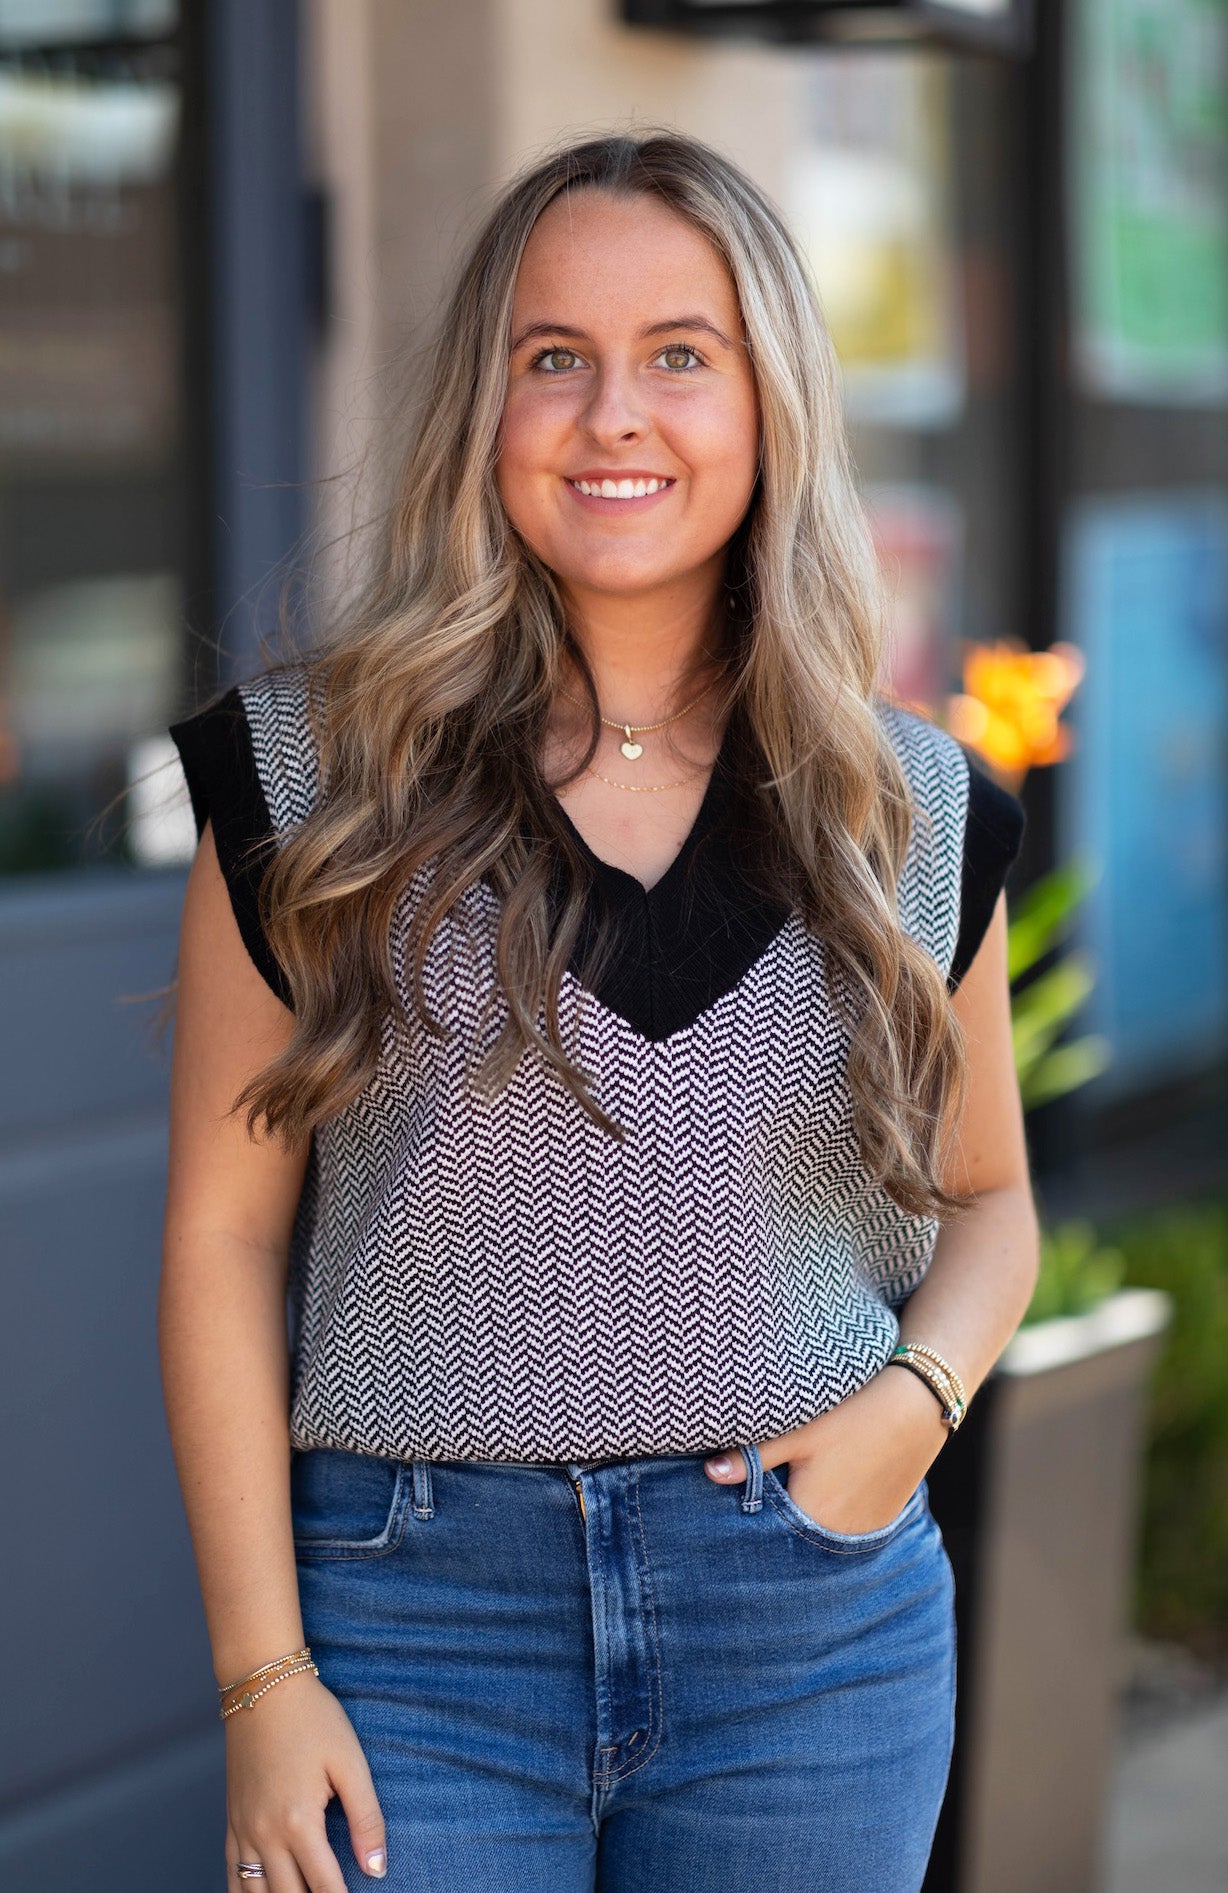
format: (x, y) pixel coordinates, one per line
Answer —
(647, 655)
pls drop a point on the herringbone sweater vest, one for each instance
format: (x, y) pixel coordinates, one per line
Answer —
(500, 1278)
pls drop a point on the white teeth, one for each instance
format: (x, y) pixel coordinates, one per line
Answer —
(619, 489)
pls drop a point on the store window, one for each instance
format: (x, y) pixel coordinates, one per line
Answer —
(93, 492)
(903, 193)
(1145, 532)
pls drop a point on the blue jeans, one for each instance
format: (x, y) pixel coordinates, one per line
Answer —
(672, 1687)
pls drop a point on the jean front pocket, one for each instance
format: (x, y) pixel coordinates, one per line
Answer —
(347, 1505)
(777, 1494)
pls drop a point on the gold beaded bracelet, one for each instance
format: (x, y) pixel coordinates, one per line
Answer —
(941, 1379)
(266, 1669)
(944, 1366)
(251, 1697)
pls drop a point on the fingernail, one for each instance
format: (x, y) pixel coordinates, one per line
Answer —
(377, 1864)
(721, 1466)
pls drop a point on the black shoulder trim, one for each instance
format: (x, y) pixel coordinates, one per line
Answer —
(993, 837)
(215, 747)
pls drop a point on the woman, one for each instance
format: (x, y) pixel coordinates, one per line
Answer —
(593, 1004)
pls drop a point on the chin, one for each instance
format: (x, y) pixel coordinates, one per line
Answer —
(620, 576)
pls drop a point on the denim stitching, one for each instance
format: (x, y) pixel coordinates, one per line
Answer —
(640, 1760)
(859, 1544)
(424, 1503)
(752, 1500)
(603, 1778)
(344, 1550)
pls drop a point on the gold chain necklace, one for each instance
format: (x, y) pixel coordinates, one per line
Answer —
(629, 747)
(641, 788)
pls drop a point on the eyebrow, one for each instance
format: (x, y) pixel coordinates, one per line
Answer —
(536, 330)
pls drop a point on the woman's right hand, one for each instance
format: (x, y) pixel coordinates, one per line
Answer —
(285, 1759)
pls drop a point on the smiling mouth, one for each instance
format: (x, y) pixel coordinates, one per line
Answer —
(620, 489)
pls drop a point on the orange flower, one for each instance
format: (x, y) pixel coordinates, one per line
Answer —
(1011, 703)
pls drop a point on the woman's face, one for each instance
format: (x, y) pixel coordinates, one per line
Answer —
(630, 438)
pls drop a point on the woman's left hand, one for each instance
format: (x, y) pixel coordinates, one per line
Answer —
(856, 1466)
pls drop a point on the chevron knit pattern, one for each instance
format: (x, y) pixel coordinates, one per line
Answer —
(501, 1280)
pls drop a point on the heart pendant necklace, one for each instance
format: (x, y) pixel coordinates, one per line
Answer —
(629, 747)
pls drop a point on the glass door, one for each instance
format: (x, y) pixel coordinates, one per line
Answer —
(93, 477)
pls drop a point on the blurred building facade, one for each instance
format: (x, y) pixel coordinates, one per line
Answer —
(224, 230)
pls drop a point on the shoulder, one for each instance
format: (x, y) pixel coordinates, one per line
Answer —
(936, 772)
(934, 763)
(250, 761)
(969, 834)
(993, 838)
(215, 748)
(282, 712)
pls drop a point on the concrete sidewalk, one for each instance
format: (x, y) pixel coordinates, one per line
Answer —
(1168, 1823)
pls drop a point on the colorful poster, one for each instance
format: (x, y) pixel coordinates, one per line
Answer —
(1144, 796)
(871, 199)
(1148, 140)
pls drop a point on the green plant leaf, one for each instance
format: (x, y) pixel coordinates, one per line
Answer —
(1048, 1003)
(1043, 911)
(1065, 1069)
(1181, 1587)
(1076, 1272)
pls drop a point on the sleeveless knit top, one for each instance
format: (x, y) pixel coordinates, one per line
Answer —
(501, 1279)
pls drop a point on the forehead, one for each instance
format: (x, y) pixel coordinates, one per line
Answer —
(593, 257)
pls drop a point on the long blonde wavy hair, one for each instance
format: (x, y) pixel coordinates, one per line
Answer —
(434, 697)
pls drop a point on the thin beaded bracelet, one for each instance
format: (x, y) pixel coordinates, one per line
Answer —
(953, 1407)
(942, 1377)
(928, 1356)
(251, 1697)
(266, 1669)
(931, 1353)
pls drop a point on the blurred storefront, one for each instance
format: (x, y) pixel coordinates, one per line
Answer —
(155, 324)
(223, 231)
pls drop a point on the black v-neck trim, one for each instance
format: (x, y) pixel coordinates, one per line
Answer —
(679, 946)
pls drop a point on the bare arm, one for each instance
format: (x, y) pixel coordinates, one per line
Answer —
(231, 1201)
(222, 1321)
(985, 1263)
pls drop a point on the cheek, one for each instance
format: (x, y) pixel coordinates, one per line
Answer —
(528, 448)
(725, 448)
(514, 467)
(515, 438)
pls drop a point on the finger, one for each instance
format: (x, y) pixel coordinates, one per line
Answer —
(313, 1858)
(726, 1468)
(368, 1837)
(234, 1853)
(250, 1855)
(318, 1865)
(281, 1873)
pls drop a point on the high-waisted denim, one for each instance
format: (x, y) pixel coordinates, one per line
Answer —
(623, 1676)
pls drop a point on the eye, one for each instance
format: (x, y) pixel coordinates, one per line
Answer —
(544, 355)
(671, 352)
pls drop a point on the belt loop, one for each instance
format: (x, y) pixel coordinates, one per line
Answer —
(752, 1500)
(424, 1505)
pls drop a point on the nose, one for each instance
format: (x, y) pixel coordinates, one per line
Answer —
(615, 413)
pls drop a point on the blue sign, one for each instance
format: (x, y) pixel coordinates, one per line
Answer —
(1144, 796)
